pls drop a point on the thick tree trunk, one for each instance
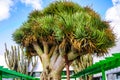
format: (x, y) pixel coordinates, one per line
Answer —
(52, 71)
(53, 60)
(51, 76)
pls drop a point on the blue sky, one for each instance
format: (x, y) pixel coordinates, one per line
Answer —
(14, 12)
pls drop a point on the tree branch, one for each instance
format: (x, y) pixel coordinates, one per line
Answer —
(45, 46)
(61, 62)
(52, 51)
(54, 57)
(37, 49)
(62, 47)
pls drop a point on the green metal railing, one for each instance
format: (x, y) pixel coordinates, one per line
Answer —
(6, 73)
(101, 66)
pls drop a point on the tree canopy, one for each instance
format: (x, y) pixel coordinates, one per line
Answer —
(80, 28)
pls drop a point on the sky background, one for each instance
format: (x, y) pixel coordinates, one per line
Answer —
(14, 12)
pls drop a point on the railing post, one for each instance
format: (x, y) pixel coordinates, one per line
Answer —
(75, 78)
(103, 74)
(0, 75)
(21, 78)
(84, 77)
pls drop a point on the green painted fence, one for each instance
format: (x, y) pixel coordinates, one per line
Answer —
(6, 73)
(101, 66)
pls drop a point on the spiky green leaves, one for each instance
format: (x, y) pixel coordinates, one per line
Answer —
(61, 7)
(82, 28)
(18, 35)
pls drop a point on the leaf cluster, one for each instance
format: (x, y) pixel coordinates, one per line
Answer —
(81, 27)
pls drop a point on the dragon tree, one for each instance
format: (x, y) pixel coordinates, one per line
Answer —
(60, 33)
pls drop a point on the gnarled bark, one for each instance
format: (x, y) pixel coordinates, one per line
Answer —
(52, 62)
(53, 59)
(52, 72)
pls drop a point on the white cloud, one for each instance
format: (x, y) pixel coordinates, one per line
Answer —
(113, 15)
(5, 6)
(36, 4)
(115, 2)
